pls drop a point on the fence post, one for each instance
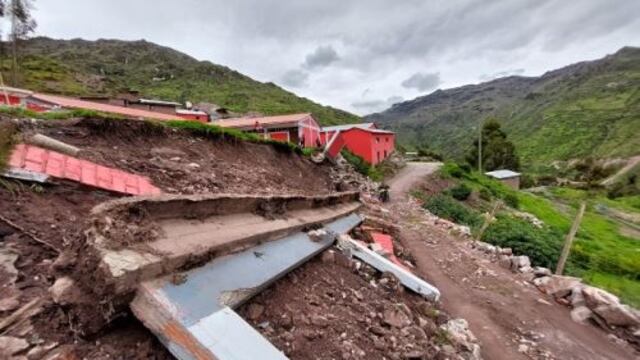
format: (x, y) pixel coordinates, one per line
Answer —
(487, 220)
(569, 239)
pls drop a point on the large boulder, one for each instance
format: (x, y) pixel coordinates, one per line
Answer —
(595, 297)
(518, 262)
(618, 315)
(556, 285)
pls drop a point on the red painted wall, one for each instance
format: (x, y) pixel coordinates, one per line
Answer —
(201, 118)
(371, 146)
(13, 100)
(309, 130)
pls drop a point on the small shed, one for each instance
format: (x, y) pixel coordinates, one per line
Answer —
(507, 177)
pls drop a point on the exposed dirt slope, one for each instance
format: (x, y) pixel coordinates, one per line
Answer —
(179, 162)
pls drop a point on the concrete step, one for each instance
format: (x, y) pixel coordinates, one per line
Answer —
(192, 316)
(191, 230)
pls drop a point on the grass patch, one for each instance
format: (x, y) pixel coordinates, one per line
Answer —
(7, 141)
(20, 112)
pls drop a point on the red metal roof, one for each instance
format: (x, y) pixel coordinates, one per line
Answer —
(72, 103)
(251, 122)
(43, 161)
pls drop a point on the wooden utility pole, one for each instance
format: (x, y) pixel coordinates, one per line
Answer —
(569, 239)
(487, 221)
(14, 44)
(480, 147)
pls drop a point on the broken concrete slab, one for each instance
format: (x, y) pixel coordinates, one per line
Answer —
(408, 279)
(187, 312)
(192, 229)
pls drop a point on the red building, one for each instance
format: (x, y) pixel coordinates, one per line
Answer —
(300, 129)
(365, 140)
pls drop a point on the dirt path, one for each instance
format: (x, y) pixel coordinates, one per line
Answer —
(511, 318)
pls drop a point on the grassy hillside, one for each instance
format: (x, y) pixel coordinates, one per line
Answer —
(585, 109)
(79, 67)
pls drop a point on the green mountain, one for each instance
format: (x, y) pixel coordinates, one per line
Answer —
(585, 109)
(80, 67)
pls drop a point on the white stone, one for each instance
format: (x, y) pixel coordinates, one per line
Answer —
(581, 314)
(618, 315)
(10, 345)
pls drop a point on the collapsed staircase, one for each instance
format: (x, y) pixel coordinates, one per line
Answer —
(203, 256)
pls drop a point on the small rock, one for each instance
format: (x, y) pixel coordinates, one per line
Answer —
(396, 318)
(525, 269)
(10, 303)
(254, 311)
(506, 251)
(10, 345)
(522, 348)
(317, 235)
(505, 261)
(328, 256)
(193, 165)
(65, 260)
(64, 291)
(320, 321)
(539, 271)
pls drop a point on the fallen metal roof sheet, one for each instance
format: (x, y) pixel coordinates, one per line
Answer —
(192, 317)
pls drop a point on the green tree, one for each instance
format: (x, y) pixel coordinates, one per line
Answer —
(497, 151)
(22, 24)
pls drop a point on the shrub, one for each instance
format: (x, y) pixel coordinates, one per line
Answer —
(512, 200)
(466, 168)
(541, 245)
(485, 194)
(452, 169)
(358, 163)
(450, 209)
(460, 192)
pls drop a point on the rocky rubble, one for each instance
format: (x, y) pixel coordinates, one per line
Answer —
(588, 303)
(340, 308)
(345, 177)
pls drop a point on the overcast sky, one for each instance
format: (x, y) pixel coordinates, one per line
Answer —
(361, 55)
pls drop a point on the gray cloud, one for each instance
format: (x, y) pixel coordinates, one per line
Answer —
(361, 44)
(371, 106)
(295, 78)
(322, 56)
(422, 82)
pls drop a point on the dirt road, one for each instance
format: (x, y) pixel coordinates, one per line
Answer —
(511, 318)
